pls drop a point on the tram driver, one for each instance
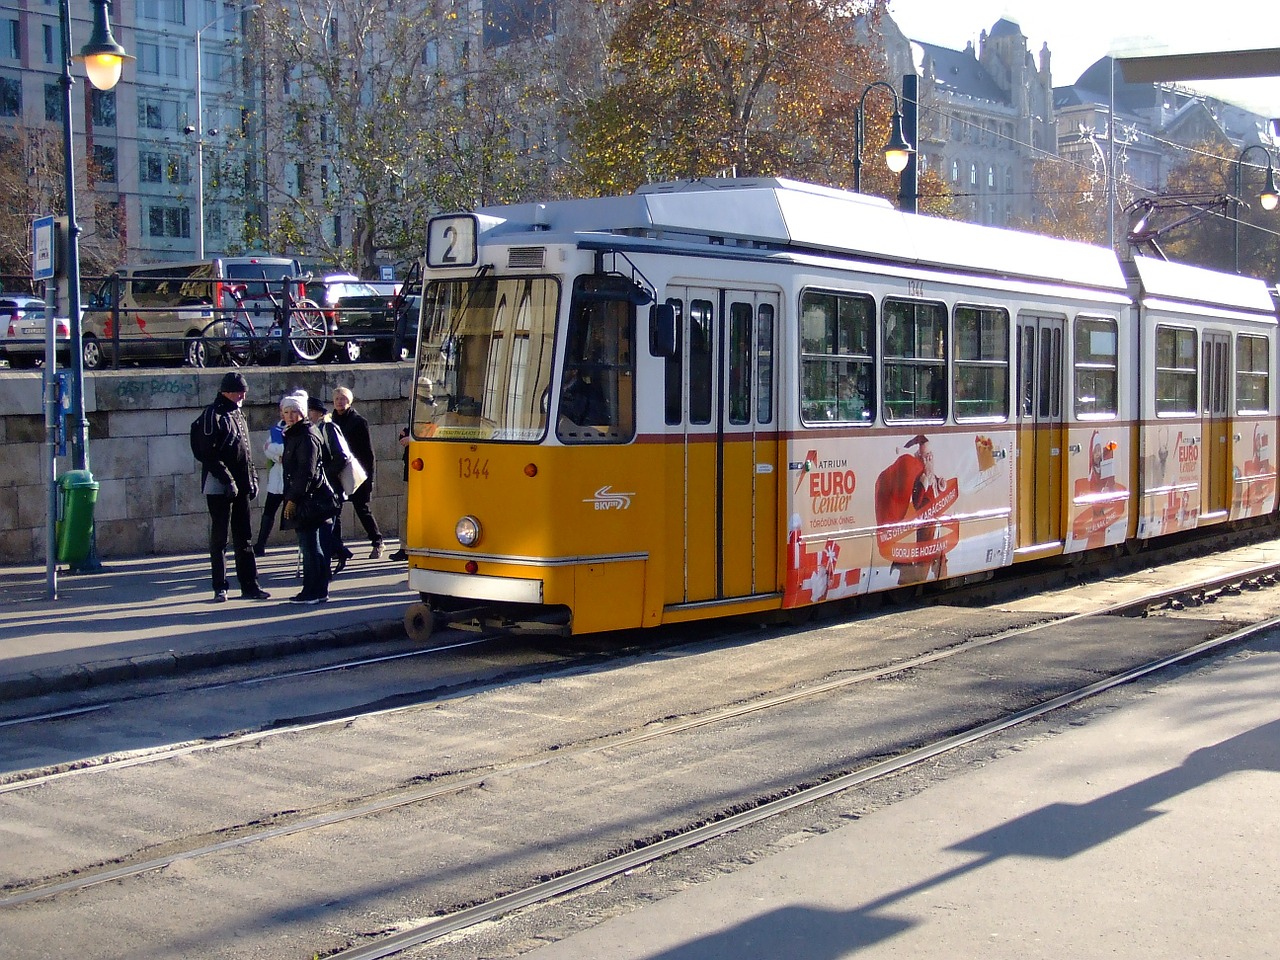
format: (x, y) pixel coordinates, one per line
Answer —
(582, 400)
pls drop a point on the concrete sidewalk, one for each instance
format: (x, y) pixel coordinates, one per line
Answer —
(155, 616)
(1149, 831)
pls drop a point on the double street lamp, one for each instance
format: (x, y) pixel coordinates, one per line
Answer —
(896, 152)
(1268, 198)
(103, 60)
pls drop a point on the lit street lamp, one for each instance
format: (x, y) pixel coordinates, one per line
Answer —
(198, 129)
(1268, 198)
(103, 59)
(896, 152)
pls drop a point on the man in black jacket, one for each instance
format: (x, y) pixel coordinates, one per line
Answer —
(229, 480)
(356, 429)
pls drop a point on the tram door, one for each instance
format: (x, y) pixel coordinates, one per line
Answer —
(1040, 432)
(1215, 453)
(724, 542)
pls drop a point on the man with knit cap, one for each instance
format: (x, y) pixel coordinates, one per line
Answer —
(229, 481)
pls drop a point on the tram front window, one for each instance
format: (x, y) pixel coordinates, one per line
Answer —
(484, 359)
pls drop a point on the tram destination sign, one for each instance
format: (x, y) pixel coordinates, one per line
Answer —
(451, 241)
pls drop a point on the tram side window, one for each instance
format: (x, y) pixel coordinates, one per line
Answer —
(1253, 374)
(701, 358)
(982, 363)
(597, 393)
(1176, 366)
(915, 360)
(764, 363)
(1096, 370)
(837, 376)
(740, 340)
(673, 369)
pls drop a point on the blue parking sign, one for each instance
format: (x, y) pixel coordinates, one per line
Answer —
(42, 259)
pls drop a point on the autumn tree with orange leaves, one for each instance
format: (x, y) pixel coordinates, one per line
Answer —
(736, 87)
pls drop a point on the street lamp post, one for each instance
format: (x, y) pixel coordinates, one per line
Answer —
(103, 59)
(198, 128)
(896, 152)
(1268, 198)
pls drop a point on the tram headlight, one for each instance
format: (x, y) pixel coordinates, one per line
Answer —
(467, 530)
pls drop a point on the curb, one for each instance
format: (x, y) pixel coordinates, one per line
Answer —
(85, 676)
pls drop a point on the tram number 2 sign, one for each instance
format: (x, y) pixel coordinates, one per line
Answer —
(451, 241)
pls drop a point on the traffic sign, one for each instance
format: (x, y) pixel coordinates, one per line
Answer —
(42, 259)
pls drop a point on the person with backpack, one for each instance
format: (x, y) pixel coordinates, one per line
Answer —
(229, 481)
(333, 457)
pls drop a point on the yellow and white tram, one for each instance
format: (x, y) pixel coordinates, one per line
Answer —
(738, 396)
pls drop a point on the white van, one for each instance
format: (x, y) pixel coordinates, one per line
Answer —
(164, 307)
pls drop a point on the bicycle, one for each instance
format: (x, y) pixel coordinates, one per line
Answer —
(236, 342)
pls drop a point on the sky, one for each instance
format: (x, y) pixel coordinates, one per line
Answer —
(1081, 32)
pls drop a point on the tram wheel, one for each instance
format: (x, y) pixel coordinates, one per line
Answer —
(419, 620)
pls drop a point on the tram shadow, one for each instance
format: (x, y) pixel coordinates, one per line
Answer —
(1055, 833)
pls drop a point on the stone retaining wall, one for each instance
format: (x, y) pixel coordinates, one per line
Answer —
(149, 499)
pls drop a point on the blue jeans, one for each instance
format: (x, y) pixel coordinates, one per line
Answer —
(315, 565)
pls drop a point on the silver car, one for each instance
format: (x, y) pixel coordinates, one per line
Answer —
(22, 331)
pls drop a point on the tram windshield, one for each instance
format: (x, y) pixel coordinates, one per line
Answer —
(485, 358)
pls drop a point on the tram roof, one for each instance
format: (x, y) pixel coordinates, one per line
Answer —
(786, 214)
(1196, 285)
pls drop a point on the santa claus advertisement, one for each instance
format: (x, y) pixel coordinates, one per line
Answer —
(1170, 479)
(1099, 497)
(1253, 472)
(875, 514)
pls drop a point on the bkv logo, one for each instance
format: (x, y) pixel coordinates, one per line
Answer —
(606, 499)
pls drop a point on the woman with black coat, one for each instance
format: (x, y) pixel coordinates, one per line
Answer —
(301, 462)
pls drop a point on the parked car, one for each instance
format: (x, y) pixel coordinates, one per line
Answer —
(25, 337)
(164, 307)
(16, 309)
(363, 313)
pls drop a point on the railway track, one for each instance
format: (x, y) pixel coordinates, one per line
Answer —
(430, 787)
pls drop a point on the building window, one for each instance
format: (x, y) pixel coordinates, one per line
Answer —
(973, 174)
(10, 97)
(213, 221)
(148, 58)
(104, 107)
(150, 167)
(48, 43)
(10, 39)
(150, 113)
(104, 163)
(337, 229)
(170, 11)
(169, 221)
(178, 168)
(53, 101)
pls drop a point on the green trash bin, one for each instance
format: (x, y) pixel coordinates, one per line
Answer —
(75, 520)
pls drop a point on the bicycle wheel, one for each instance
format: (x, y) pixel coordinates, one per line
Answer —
(308, 334)
(228, 343)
